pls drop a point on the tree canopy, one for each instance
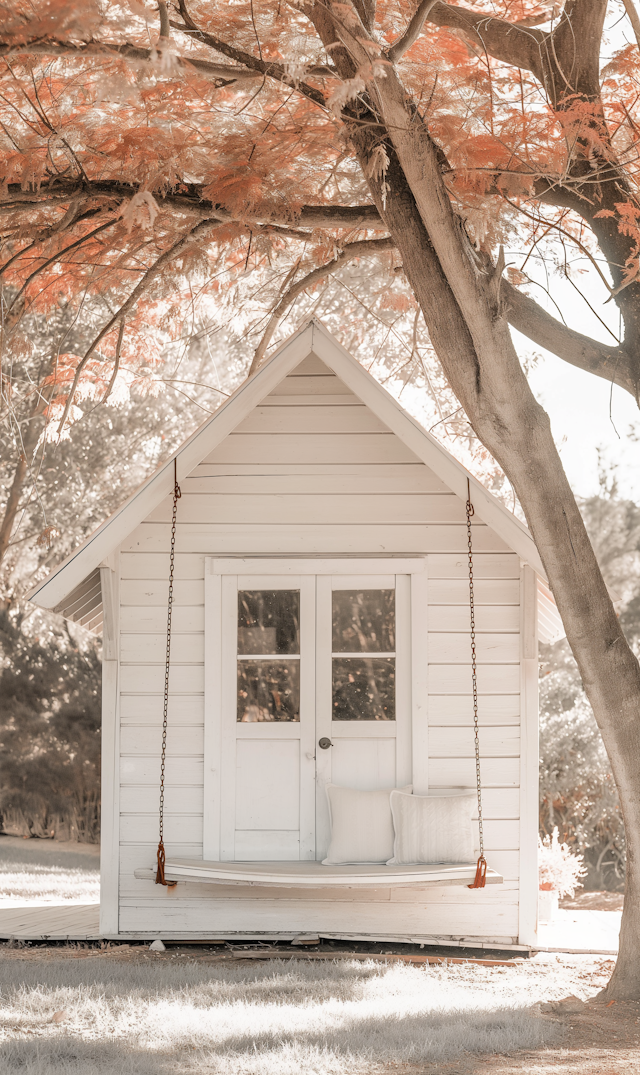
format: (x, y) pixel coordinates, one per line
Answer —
(161, 156)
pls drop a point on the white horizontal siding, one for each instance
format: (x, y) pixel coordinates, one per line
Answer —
(461, 772)
(455, 648)
(146, 770)
(326, 538)
(185, 648)
(499, 804)
(185, 619)
(149, 679)
(313, 472)
(312, 419)
(312, 448)
(448, 566)
(492, 679)
(324, 385)
(147, 708)
(459, 742)
(485, 591)
(327, 916)
(503, 618)
(154, 592)
(144, 739)
(336, 478)
(457, 709)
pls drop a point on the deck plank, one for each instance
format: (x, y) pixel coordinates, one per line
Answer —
(67, 921)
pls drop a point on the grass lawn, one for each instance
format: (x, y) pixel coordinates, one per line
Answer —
(47, 871)
(132, 1012)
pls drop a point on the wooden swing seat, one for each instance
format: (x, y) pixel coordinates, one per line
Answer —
(315, 875)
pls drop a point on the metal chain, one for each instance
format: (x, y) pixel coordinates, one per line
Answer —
(160, 879)
(474, 674)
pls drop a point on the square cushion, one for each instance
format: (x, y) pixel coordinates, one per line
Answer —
(361, 825)
(432, 828)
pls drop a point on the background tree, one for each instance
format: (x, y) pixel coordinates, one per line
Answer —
(49, 732)
(577, 790)
(183, 155)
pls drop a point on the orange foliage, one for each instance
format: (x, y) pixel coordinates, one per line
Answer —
(110, 158)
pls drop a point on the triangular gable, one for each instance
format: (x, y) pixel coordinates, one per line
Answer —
(313, 338)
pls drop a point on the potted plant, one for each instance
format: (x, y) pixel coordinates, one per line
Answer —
(559, 873)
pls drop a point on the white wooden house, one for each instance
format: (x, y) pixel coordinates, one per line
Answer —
(309, 485)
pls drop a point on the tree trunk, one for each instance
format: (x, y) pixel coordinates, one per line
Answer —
(516, 430)
(458, 292)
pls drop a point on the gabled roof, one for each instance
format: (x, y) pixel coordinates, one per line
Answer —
(313, 338)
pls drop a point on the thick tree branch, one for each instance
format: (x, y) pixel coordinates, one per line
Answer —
(105, 50)
(191, 201)
(520, 46)
(634, 18)
(353, 250)
(413, 31)
(565, 61)
(528, 317)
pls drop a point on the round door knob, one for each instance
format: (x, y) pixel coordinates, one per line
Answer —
(324, 743)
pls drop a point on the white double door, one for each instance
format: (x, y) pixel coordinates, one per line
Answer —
(309, 683)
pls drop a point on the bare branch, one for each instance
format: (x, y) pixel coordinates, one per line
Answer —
(353, 250)
(116, 363)
(262, 67)
(141, 287)
(413, 31)
(56, 257)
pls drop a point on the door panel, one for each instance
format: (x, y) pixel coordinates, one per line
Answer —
(268, 784)
(363, 679)
(268, 718)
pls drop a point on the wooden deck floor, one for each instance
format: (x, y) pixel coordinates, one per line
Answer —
(572, 931)
(47, 921)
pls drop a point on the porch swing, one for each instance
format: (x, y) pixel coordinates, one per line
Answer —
(310, 874)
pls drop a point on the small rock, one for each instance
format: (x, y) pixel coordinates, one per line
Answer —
(59, 1017)
(567, 1006)
(157, 946)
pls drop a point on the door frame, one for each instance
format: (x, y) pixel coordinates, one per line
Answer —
(217, 784)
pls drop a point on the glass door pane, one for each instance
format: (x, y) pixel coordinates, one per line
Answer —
(363, 687)
(268, 625)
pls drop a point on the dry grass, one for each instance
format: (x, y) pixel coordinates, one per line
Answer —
(39, 871)
(175, 1016)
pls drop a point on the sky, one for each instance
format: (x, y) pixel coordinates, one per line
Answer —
(579, 405)
(592, 422)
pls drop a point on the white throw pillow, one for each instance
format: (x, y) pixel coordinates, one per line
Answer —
(432, 828)
(361, 825)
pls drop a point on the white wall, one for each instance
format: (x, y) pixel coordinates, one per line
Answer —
(312, 470)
